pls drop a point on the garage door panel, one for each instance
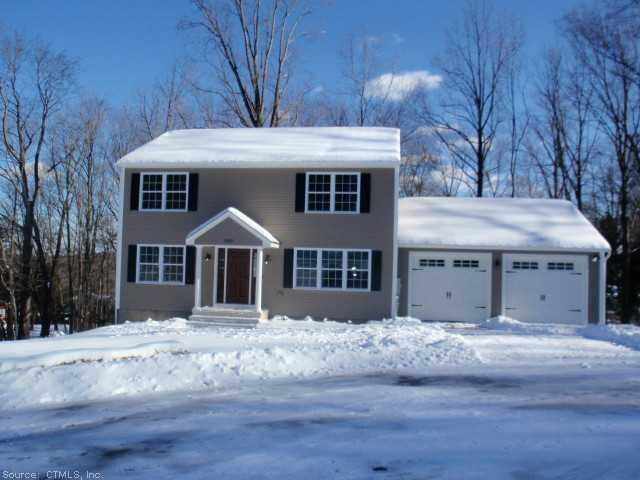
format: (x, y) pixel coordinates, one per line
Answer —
(449, 286)
(545, 288)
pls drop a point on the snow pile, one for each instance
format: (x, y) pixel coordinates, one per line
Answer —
(270, 147)
(626, 335)
(66, 357)
(508, 324)
(192, 356)
(513, 223)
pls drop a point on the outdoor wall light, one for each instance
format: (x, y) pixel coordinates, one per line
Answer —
(267, 259)
(207, 257)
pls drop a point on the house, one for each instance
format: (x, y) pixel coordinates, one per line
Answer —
(233, 225)
(238, 224)
(467, 259)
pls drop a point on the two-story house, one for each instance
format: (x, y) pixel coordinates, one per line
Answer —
(237, 224)
(234, 224)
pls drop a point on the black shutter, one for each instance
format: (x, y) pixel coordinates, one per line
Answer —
(131, 263)
(376, 270)
(190, 273)
(287, 280)
(193, 192)
(301, 187)
(365, 192)
(135, 191)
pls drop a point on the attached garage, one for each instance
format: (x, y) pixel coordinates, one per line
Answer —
(468, 259)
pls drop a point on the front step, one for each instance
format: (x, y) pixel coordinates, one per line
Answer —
(228, 316)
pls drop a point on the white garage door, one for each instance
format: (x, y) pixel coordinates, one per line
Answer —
(450, 286)
(546, 288)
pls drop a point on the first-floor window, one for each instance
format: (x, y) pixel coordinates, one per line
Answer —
(332, 269)
(160, 264)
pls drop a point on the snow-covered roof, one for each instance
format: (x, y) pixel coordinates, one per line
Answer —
(496, 223)
(241, 219)
(330, 147)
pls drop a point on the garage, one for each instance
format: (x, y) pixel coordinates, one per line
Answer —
(469, 259)
(537, 288)
(450, 286)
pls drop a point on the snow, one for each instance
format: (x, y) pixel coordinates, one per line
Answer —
(239, 217)
(290, 399)
(270, 148)
(495, 223)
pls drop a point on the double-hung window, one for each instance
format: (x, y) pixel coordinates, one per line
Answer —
(332, 269)
(164, 191)
(333, 192)
(161, 264)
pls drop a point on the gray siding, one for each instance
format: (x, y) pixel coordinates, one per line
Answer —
(496, 293)
(268, 197)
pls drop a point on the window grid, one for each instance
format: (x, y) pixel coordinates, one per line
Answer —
(566, 266)
(358, 270)
(466, 264)
(431, 262)
(521, 265)
(155, 261)
(306, 268)
(164, 191)
(331, 269)
(332, 192)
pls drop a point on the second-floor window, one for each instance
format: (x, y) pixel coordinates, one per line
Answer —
(333, 192)
(164, 191)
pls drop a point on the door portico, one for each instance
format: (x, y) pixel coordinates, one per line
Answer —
(229, 258)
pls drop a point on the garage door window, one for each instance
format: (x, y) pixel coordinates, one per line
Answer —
(566, 266)
(466, 264)
(431, 262)
(519, 265)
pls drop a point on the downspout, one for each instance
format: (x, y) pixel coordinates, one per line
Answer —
(602, 297)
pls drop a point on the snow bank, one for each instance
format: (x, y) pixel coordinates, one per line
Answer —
(66, 357)
(508, 324)
(506, 223)
(626, 335)
(187, 356)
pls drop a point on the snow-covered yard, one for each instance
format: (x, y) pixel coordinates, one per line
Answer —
(325, 400)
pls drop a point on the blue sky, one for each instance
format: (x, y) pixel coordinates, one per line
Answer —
(122, 45)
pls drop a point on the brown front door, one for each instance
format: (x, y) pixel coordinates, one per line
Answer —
(238, 266)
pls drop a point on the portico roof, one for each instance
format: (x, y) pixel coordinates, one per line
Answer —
(264, 237)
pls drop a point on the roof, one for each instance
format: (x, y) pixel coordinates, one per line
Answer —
(270, 148)
(253, 227)
(496, 223)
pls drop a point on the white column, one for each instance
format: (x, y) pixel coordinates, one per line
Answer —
(198, 302)
(602, 294)
(259, 262)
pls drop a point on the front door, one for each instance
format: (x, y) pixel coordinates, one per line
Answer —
(238, 270)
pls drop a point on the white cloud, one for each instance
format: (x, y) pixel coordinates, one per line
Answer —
(397, 86)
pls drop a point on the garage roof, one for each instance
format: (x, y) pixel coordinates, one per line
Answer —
(366, 147)
(496, 223)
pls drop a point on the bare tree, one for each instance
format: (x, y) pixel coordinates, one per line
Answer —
(249, 43)
(480, 51)
(34, 82)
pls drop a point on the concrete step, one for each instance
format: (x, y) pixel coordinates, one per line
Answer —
(225, 321)
(227, 312)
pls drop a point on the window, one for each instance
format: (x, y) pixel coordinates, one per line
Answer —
(332, 269)
(466, 264)
(358, 270)
(164, 191)
(161, 264)
(306, 268)
(333, 192)
(431, 262)
(567, 266)
(524, 265)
